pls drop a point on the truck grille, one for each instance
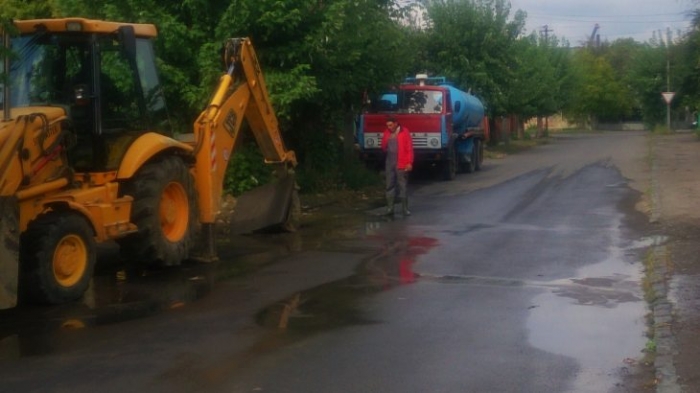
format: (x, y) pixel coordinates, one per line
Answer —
(421, 140)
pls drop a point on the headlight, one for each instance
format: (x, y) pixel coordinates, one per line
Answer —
(434, 142)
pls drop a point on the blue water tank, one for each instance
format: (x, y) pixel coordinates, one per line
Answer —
(468, 111)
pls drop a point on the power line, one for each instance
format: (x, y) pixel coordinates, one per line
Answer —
(608, 16)
(619, 21)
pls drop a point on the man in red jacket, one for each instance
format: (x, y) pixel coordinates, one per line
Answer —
(398, 146)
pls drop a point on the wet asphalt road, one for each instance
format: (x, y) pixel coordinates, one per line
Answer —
(524, 277)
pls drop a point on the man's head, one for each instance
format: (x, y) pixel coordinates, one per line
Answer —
(391, 123)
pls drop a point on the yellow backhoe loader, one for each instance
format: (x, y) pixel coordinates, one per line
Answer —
(88, 155)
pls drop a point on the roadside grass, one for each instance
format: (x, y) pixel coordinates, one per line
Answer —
(513, 146)
(575, 130)
(652, 261)
(661, 130)
(650, 296)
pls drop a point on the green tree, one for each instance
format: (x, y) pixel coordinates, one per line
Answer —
(648, 80)
(21, 9)
(472, 42)
(540, 84)
(598, 94)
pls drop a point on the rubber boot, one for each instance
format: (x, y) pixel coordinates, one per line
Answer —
(404, 207)
(389, 205)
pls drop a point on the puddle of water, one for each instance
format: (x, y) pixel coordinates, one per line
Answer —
(648, 242)
(338, 304)
(39, 330)
(599, 322)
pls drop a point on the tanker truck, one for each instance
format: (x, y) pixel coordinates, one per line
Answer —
(447, 125)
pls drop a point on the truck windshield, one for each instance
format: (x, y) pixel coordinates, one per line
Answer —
(408, 101)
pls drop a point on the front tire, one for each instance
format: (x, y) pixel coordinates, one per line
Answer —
(449, 166)
(164, 211)
(57, 257)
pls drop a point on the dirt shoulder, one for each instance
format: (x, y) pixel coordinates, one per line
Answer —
(676, 161)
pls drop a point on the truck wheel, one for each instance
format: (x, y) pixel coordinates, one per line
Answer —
(479, 149)
(57, 257)
(164, 211)
(470, 166)
(449, 166)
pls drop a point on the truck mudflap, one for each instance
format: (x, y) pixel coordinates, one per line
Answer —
(9, 252)
(273, 205)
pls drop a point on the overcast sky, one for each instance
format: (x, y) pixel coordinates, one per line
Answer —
(575, 19)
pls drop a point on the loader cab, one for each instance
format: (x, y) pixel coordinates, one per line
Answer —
(106, 82)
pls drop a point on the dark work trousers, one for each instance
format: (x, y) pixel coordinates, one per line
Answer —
(396, 180)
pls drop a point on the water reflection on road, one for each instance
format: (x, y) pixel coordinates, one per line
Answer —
(597, 319)
(120, 293)
(338, 303)
(117, 297)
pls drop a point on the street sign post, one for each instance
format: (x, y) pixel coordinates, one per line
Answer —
(668, 97)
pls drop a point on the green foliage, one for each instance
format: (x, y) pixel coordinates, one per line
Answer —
(599, 94)
(356, 175)
(22, 9)
(650, 346)
(320, 57)
(320, 169)
(288, 88)
(534, 80)
(246, 170)
(661, 130)
(471, 42)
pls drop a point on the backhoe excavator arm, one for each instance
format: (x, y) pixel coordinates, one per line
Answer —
(241, 94)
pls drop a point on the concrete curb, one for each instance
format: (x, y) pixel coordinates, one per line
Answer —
(661, 307)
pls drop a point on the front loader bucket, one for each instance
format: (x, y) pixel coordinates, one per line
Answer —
(9, 252)
(264, 207)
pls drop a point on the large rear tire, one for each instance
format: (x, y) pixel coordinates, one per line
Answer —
(479, 149)
(164, 211)
(57, 258)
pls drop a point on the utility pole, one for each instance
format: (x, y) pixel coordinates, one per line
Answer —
(546, 31)
(668, 89)
(668, 77)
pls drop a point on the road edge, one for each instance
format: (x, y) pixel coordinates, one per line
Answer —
(658, 275)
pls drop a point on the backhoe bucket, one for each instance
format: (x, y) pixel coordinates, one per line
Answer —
(9, 252)
(264, 207)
